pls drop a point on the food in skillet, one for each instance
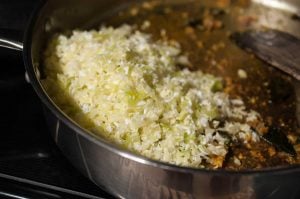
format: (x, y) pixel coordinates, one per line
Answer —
(128, 88)
(138, 92)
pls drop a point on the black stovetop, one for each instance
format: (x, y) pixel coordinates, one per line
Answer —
(31, 165)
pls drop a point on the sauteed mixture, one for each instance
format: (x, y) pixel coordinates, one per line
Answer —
(193, 38)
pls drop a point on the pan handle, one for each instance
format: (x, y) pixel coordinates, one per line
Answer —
(10, 39)
(7, 43)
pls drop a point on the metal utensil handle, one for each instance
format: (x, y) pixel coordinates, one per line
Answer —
(7, 43)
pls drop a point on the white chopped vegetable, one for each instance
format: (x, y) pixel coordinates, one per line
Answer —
(146, 24)
(122, 85)
(242, 74)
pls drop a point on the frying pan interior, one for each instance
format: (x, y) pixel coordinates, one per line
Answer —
(58, 16)
(122, 173)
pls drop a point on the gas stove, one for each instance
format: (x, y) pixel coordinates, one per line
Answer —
(31, 165)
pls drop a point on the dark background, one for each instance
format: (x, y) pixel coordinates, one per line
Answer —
(14, 13)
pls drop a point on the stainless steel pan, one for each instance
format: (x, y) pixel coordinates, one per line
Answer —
(120, 172)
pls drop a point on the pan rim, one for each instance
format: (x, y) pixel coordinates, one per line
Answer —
(35, 82)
